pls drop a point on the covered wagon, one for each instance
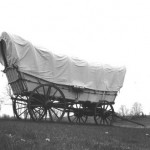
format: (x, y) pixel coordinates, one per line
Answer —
(48, 85)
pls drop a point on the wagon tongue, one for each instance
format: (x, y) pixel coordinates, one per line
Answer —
(125, 119)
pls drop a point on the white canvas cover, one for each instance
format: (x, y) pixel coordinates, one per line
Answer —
(58, 69)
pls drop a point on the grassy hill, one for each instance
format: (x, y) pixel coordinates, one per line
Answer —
(28, 135)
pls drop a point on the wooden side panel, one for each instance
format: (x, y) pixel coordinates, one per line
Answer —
(29, 83)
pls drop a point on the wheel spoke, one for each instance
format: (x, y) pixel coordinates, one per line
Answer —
(59, 109)
(106, 107)
(108, 121)
(33, 111)
(21, 103)
(77, 119)
(55, 93)
(42, 114)
(21, 100)
(22, 113)
(48, 92)
(101, 120)
(50, 114)
(35, 99)
(54, 113)
(38, 113)
(109, 110)
(103, 106)
(74, 119)
(21, 108)
(43, 90)
(109, 118)
(27, 114)
(39, 95)
(82, 119)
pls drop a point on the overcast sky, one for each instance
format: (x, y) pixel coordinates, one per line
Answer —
(116, 32)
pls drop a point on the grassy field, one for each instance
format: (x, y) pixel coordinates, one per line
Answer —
(28, 135)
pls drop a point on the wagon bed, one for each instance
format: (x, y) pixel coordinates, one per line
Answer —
(47, 85)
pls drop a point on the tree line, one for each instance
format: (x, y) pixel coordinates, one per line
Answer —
(136, 110)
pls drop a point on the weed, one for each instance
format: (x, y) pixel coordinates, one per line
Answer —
(28, 135)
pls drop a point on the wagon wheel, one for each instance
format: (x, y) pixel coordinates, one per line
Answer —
(47, 101)
(103, 113)
(76, 114)
(20, 108)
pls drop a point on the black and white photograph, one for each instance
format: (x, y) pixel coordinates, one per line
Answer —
(74, 75)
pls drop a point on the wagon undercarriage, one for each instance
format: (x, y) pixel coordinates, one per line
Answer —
(47, 102)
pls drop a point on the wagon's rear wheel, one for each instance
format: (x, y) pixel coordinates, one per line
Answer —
(47, 101)
(103, 113)
(76, 114)
(20, 107)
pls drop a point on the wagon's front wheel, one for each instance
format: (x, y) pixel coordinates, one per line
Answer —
(76, 114)
(47, 101)
(103, 113)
